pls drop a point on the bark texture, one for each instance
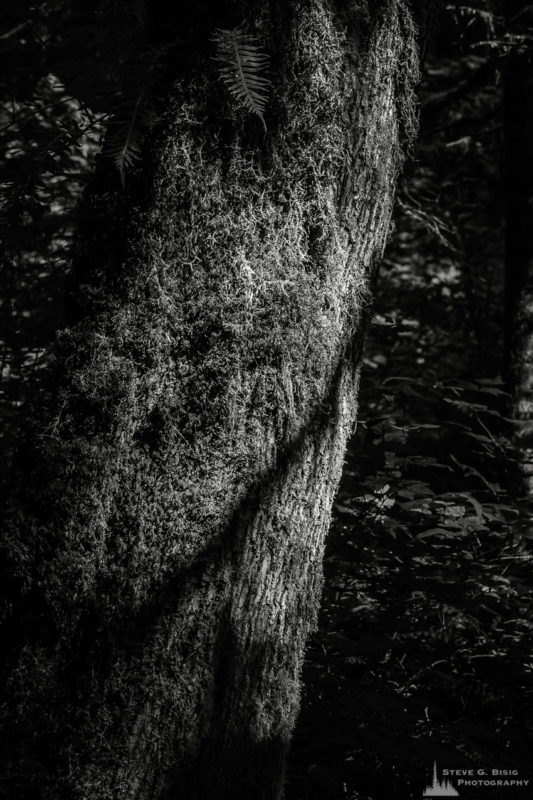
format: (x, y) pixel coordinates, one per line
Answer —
(518, 88)
(164, 540)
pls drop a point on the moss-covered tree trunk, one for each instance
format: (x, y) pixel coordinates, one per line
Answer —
(518, 87)
(164, 537)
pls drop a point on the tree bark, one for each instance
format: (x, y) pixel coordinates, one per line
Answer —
(518, 130)
(164, 537)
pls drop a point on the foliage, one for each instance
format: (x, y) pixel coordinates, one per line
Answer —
(135, 112)
(49, 143)
(423, 650)
(241, 64)
(56, 98)
(425, 638)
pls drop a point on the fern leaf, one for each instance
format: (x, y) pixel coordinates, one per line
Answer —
(134, 115)
(241, 65)
(125, 146)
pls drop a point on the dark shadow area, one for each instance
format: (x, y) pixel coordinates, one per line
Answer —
(423, 649)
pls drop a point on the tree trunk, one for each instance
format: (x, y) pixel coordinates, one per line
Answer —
(518, 128)
(165, 536)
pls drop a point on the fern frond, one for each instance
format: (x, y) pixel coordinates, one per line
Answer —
(124, 145)
(241, 64)
(134, 114)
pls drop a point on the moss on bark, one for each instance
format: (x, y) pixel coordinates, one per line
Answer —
(166, 534)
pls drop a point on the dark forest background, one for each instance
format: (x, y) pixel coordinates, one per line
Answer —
(423, 650)
(424, 647)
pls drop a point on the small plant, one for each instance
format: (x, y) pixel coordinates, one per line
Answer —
(134, 113)
(241, 65)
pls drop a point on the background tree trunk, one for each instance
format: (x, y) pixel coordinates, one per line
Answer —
(165, 535)
(518, 129)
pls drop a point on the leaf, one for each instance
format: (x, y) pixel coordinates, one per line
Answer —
(133, 116)
(346, 510)
(439, 532)
(241, 65)
(476, 504)
(125, 147)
